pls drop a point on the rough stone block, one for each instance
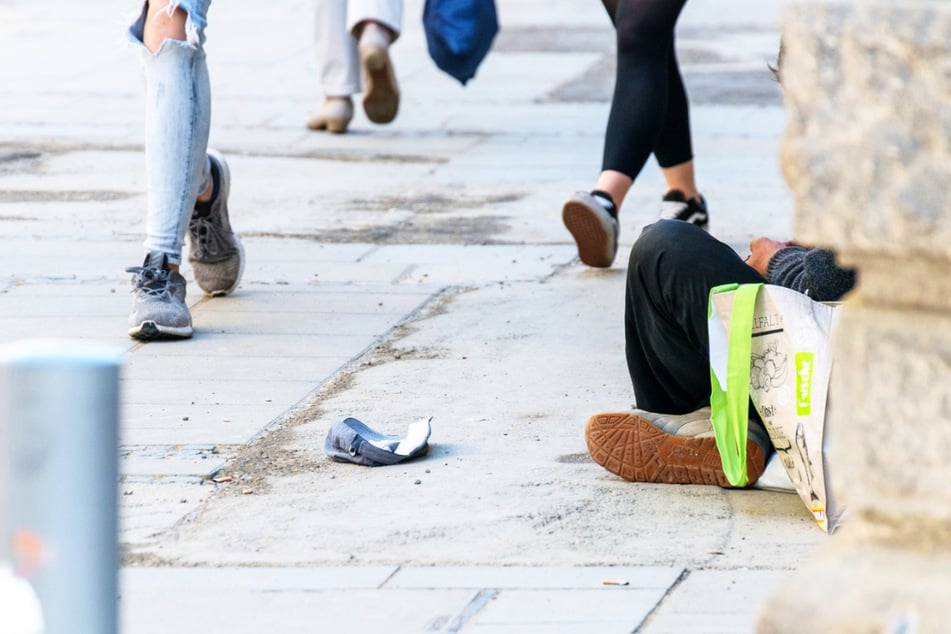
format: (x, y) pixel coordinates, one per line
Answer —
(867, 149)
(890, 423)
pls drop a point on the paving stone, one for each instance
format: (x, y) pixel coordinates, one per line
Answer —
(248, 369)
(474, 265)
(184, 423)
(194, 461)
(608, 610)
(716, 602)
(520, 577)
(147, 509)
(292, 599)
(156, 391)
(218, 349)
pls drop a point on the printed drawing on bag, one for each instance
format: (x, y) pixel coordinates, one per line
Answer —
(806, 461)
(768, 369)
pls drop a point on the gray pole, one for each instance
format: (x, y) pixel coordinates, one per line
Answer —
(6, 473)
(59, 405)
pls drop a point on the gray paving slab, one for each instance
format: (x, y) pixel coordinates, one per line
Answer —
(605, 610)
(250, 369)
(156, 391)
(286, 599)
(536, 578)
(209, 596)
(188, 461)
(196, 424)
(103, 304)
(262, 579)
(332, 275)
(149, 508)
(78, 327)
(44, 291)
(715, 602)
(331, 324)
(294, 301)
(219, 349)
(450, 264)
(295, 254)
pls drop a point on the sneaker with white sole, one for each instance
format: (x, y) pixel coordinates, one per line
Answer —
(215, 253)
(593, 226)
(675, 206)
(158, 301)
(642, 446)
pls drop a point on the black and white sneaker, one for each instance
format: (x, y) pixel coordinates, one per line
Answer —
(592, 220)
(675, 206)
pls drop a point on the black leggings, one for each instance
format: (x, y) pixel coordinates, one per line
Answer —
(673, 266)
(649, 112)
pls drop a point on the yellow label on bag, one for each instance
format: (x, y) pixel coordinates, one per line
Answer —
(804, 363)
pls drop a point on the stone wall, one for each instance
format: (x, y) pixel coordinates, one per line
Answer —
(867, 153)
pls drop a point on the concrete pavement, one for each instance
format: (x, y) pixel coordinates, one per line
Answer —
(415, 269)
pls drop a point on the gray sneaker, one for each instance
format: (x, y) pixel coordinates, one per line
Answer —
(215, 253)
(158, 301)
(643, 446)
(594, 228)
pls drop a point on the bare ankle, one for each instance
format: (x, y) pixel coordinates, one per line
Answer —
(372, 26)
(205, 196)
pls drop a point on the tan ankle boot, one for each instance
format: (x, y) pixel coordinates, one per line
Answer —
(381, 94)
(333, 115)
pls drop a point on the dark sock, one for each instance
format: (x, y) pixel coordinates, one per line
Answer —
(203, 207)
(605, 201)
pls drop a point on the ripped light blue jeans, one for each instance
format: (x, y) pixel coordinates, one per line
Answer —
(177, 119)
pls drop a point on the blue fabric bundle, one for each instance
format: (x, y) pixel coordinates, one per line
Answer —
(459, 34)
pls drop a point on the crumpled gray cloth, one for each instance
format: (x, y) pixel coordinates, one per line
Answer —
(350, 440)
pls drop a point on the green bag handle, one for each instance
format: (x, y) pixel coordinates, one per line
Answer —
(729, 405)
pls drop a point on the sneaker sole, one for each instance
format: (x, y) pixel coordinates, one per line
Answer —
(589, 233)
(151, 331)
(634, 449)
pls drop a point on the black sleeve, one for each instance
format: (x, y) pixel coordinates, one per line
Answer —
(810, 271)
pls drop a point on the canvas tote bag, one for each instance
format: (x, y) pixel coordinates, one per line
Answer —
(773, 345)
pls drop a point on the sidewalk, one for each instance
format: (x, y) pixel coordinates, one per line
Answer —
(416, 269)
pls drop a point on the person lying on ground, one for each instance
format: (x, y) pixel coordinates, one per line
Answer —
(673, 265)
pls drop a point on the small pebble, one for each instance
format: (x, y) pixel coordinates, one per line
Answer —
(418, 482)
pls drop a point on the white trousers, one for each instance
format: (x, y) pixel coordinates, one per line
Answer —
(337, 61)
